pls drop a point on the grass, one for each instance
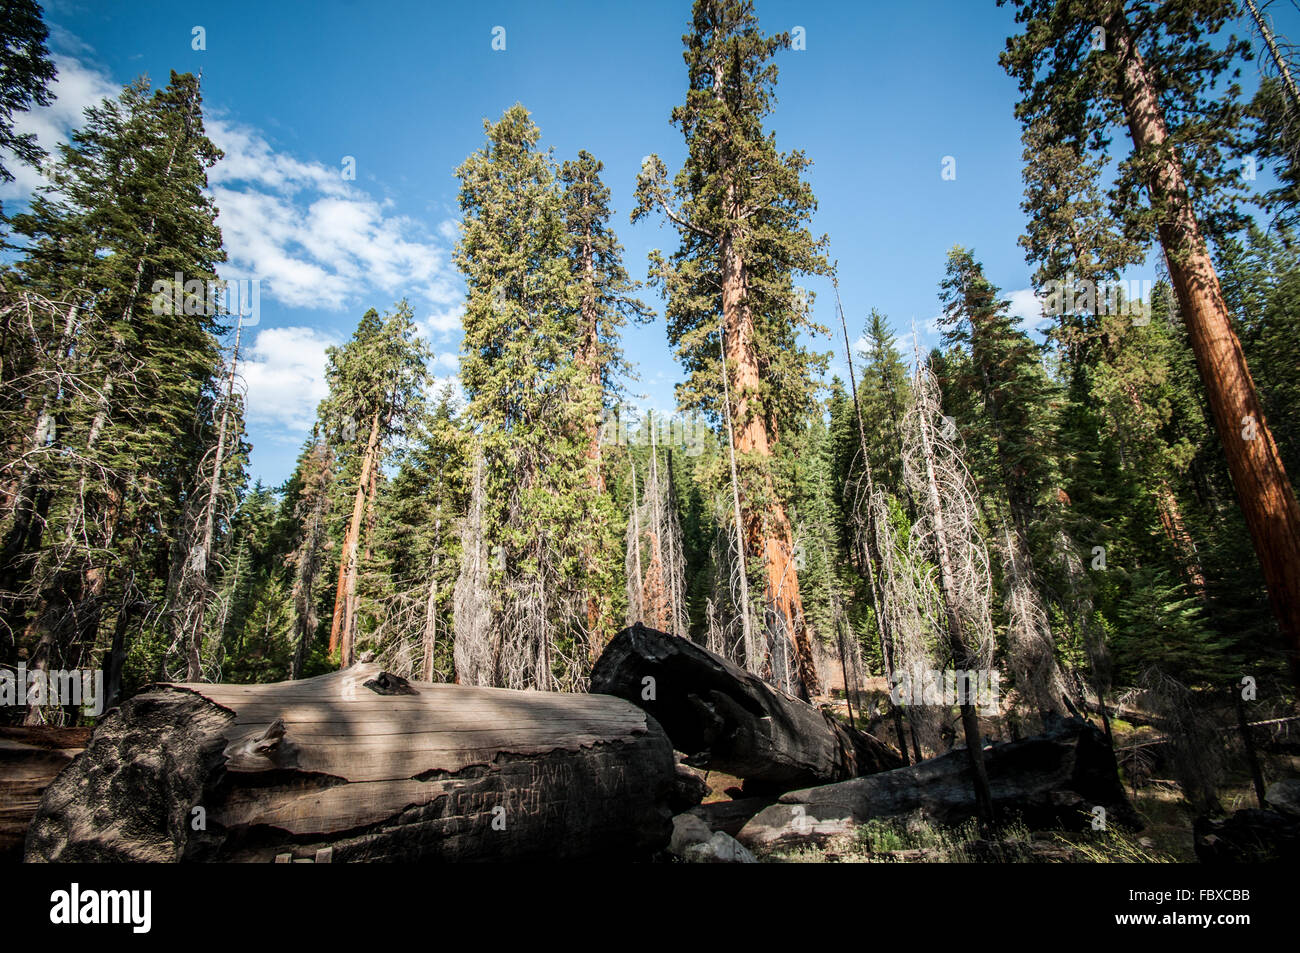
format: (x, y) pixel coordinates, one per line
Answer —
(916, 840)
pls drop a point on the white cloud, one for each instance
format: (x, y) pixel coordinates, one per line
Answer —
(1026, 307)
(442, 323)
(314, 239)
(285, 372)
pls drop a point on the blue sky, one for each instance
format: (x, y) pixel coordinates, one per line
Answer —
(881, 94)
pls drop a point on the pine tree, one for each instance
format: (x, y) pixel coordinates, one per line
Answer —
(308, 498)
(376, 385)
(1010, 435)
(25, 76)
(127, 212)
(417, 545)
(883, 391)
(604, 292)
(541, 525)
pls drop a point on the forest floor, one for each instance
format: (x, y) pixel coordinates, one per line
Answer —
(1166, 836)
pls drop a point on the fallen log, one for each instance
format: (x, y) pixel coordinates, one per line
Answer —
(727, 719)
(1058, 779)
(729, 816)
(359, 765)
(1248, 836)
(30, 758)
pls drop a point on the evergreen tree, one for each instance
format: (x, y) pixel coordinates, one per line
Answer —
(604, 292)
(418, 548)
(1009, 432)
(540, 554)
(376, 385)
(112, 427)
(1163, 73)
(741, 210)
(25, 76)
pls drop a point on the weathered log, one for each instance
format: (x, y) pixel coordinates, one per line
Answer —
(360, 765)
(727, 719)
(730, 816)
(1058, 779)
(1248, 836)
(30, 758)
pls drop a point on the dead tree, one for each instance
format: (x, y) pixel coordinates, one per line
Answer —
(935, 471)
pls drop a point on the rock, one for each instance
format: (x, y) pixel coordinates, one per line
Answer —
(786, 823)
(719, 849)
(1284, 796)
(1248, 836)
(688, 830)
(689, 789)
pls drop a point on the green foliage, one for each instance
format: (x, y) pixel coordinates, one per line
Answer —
(25, 75)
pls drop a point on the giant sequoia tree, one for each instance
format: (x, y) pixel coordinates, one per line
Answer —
(1161, 73)
(741, 210)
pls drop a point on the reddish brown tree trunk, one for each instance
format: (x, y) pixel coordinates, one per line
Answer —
(588, 357)
(342, 624)
(767, 531)
(1264, 492)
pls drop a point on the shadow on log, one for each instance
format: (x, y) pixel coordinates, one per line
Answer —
(1058, 779)
(359, 765)
(727, 719)
(1248, 836)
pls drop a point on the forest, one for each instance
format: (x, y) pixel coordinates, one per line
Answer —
(1094, 524)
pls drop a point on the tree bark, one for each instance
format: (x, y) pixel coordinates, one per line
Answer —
(727, 719)
(1267, 499)
(30, 758)
(343, 621)
(768, 531)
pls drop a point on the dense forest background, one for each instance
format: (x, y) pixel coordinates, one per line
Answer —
(1067, 510)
